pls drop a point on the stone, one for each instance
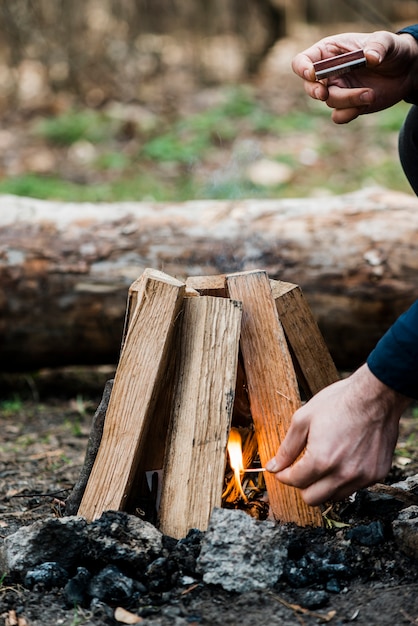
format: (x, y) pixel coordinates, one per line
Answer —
(268, 173)
(61, 540)
(240, 553)
(115, 538)
(405, 531)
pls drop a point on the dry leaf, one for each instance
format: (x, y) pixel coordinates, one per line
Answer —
(126, 617)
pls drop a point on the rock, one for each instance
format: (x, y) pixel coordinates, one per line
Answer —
(405, 531)
(59, 540)
(268, 173)
(240, 553)
(116, 538)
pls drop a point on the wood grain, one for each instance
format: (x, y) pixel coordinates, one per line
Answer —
(272, 386)
(138, 378)
(195, 457)
(314, 365)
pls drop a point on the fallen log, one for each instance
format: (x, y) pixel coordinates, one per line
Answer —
(65, 269)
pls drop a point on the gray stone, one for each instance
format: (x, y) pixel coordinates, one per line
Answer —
(116, 538)
(405, 531)
(240, 553)
(61, 540)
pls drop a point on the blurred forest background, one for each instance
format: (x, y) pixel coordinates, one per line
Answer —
(105, 100)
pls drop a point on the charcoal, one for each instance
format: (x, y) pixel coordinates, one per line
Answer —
(297, 576)
(59, 540)
(49, 575)
(371, 534)
(333, 586)
(313, 600)
(75, 591)
(110, 585)
(186, 552)
(121, 539)
(161, 574)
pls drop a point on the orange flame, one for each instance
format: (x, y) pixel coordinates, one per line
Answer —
(235, 458)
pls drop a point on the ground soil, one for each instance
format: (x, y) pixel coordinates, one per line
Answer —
(42, 443)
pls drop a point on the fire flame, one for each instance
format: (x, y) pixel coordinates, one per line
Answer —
(235, 458)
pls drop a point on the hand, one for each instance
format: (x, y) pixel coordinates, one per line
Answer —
(350, 430)
(392, 63)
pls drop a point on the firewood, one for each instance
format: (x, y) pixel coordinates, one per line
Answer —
(315, 367)
(194, 463)
(272, 386)
(138, 379)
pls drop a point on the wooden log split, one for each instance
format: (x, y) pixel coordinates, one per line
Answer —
(175, 388)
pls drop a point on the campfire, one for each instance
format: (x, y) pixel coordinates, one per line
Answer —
(203, 394)
(245, 487)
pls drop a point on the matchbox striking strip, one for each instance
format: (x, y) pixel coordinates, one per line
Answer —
(338, 65)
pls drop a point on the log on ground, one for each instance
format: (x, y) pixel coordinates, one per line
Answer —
(65, 269)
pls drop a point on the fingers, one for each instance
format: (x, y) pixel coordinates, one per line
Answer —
(320, 482)
(349, 103)
(377, 45)
(302, 63)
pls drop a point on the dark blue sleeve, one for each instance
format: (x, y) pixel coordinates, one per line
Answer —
(411, 30)
(394, 361)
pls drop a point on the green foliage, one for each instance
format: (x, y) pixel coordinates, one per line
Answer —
(183, 159)
(175, 147)
(190, 139)
(54, 188)
(75, 125)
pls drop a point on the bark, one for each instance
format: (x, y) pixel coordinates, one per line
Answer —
(65, 269)
(74, 499)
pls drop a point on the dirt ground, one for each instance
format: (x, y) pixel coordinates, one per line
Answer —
(42, 445)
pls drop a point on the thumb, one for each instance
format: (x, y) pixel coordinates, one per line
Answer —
(377, 46)
(291, 447)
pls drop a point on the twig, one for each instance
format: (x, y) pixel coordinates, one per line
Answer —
(300, 609)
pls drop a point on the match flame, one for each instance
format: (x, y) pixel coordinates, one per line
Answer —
(235, 458)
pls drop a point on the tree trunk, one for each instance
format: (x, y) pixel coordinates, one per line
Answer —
(65, 269)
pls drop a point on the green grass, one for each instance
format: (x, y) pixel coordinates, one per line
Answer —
(74, 125)
(176, 160)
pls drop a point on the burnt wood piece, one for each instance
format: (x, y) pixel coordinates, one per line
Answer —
(72, 503)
